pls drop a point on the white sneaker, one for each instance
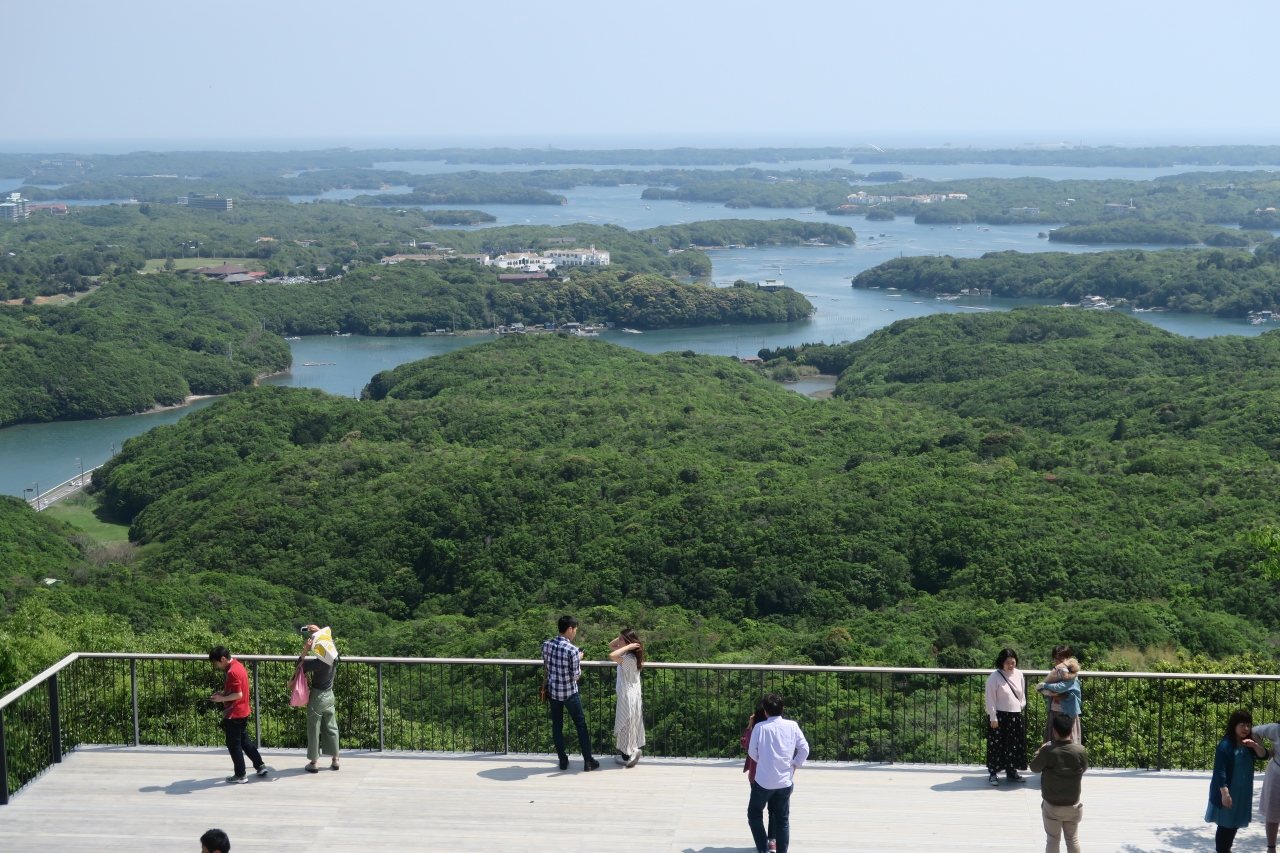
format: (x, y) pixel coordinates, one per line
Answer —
(635, 759)
(620, 760)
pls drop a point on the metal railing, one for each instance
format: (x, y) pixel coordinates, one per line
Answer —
(1153, 721)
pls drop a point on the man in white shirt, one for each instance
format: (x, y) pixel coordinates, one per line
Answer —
(779, 749)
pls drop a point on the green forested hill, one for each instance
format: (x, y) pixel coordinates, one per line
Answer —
(1225, 283)
(1087, 470)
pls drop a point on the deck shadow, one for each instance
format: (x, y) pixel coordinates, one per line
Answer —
(516, 773)
(1200, 837)
(184, 786)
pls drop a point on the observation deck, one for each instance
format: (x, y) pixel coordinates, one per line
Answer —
(114, 751)
(160, 799)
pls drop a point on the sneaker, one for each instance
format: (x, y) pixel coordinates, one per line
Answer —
(635, 759)
(237, 780)
(590, 765)
(564, 762)
(263, 771)
(1014, 776)
(773, 846)
(994, 780)
(621, 759)
(311, 768)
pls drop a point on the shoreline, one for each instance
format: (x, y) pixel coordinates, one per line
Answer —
(187, 401)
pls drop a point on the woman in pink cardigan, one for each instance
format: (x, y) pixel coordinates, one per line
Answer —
(1007, 736)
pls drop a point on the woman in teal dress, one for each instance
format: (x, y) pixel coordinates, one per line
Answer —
(1231, 791)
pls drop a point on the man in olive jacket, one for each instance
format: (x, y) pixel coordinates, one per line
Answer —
(1060, 764)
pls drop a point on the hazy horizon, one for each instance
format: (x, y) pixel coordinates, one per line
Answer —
(390, 73)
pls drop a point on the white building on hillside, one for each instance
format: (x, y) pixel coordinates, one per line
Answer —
(577, 257)
(523, 261)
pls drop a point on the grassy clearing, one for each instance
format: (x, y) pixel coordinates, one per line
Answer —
(157, 264)
(81, 510)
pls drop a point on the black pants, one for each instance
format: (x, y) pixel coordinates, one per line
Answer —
(239, 744)
(1223, 839)
(574, 706)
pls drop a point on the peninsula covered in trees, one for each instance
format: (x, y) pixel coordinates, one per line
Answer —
(1202, 281)
(1036, 475)
(138, 341)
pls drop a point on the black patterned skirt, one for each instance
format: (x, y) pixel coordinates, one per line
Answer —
(1007, 745)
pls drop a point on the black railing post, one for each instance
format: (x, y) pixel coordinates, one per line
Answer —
(55, 722)
(4, 765)
(1160, 727)
(506, 712)
(257, 720)
(133, 690)
(381, 739)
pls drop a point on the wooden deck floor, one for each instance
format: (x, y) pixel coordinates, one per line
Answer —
(157, 799)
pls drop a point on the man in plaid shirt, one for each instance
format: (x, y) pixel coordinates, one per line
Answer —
(564, 667)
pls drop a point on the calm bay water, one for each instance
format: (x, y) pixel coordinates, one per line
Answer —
(47, 452)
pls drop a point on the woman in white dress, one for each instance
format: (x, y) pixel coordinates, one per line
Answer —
(1269, 802)
(628, 723)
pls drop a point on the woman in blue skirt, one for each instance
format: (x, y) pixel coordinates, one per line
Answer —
(1231, 791)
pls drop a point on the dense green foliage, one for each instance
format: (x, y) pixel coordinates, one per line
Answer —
(55, 255)
(1167, 233)
(137, 342)
(1229, 284)
(974, 458)
(408, 299)
(1195, 197)
(1103, 155)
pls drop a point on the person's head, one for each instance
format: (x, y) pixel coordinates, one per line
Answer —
(1239, 726)
(773, 705)
(221, 658)
(1007, 660)
(760, 715)
(215, 841)
(1061, 653)
(1061, 727)
(568, 627)
(625, 638)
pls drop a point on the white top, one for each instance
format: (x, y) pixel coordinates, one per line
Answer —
(776, 744)
(1006, 691)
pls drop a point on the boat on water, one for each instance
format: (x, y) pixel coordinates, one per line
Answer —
(294, 338)
(585, 333)
(318, 363)
(633, 331)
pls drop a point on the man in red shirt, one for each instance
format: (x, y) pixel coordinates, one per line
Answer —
(235, 720)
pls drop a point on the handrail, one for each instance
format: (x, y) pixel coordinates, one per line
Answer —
(35, 681)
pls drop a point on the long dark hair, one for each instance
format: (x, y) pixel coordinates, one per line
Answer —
(1236, 718)
(1063, 652)
(760, 714)
(1004, 655)
(632, 637)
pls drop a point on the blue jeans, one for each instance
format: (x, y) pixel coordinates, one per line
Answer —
(574, 706)
(779, 802)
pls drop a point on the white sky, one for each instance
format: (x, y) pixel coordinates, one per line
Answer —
(659, 72)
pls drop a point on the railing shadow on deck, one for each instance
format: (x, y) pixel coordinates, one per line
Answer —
(1148, 721)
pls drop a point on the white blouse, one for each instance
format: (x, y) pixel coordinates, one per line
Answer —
(1006, 691)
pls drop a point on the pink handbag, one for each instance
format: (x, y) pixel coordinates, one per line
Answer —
(301, 694)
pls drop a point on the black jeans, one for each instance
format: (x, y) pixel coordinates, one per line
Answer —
(574, 706)
(779, 802)
(1223, 839)
(239, 744)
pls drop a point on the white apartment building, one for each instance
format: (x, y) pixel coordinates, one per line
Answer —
(15, 207)
(577, 257)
